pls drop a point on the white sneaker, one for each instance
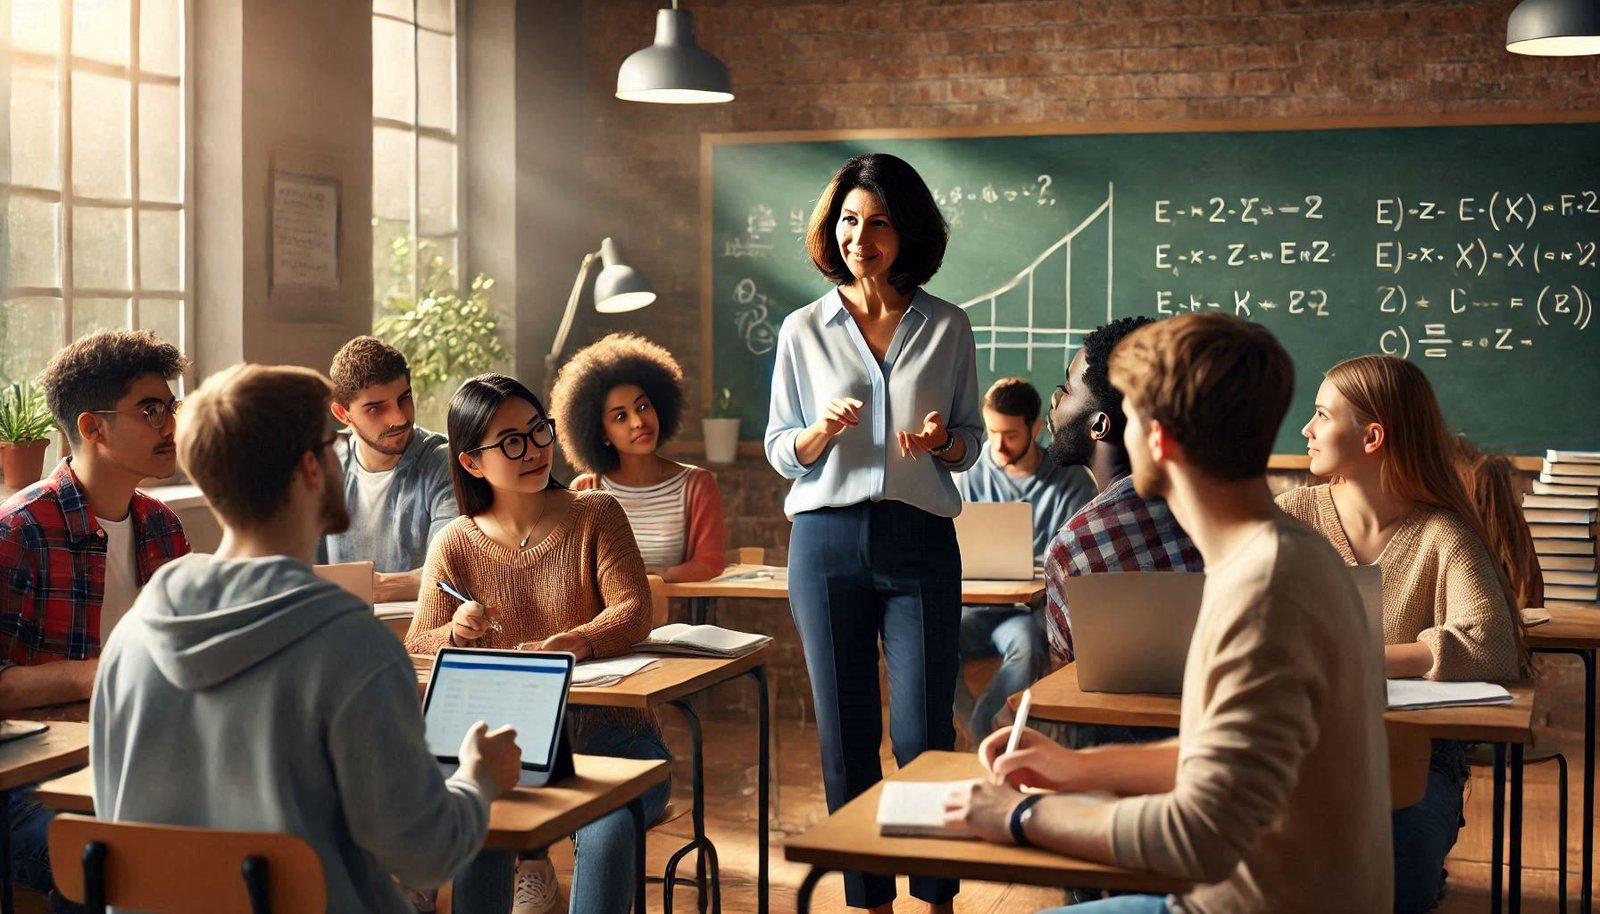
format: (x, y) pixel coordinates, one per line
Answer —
(536, 892)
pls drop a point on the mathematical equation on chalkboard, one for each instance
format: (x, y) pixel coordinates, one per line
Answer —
(1424, 273)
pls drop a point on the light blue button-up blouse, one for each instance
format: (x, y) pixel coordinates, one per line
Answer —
(930, 365)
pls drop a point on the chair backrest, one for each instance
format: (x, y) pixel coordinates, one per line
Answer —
(355, 577)
(747, 555)
(660, 610)
(1410, 751)
(180, 870)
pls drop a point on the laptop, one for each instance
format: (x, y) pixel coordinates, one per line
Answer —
(355, 577)
(526, 689)
(996, 541)
(1131, 629)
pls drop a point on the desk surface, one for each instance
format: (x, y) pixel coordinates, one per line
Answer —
(771, 582)
(671, 678)
(1058, 697)
(1571, 628)
(23, 761)
(849, 840)
(529, 817)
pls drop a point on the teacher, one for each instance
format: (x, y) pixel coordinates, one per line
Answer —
(874, 405)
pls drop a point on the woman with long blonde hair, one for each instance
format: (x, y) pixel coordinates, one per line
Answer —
(1487, 479)
(1395, 500)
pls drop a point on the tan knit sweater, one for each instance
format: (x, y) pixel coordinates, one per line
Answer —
(1439, 587)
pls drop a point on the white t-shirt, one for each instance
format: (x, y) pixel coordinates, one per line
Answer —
(368, 516)
(122, 573)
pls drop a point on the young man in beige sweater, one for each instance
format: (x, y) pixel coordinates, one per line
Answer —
(1275, 795)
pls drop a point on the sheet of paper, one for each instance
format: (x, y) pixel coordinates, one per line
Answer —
(605, 672)
(1408, 694)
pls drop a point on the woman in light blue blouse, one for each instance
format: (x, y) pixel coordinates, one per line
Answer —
(874, 404)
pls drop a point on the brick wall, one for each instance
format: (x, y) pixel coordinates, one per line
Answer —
(925, 63)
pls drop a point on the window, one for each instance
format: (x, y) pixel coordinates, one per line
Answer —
(416, 182)
(92, 175)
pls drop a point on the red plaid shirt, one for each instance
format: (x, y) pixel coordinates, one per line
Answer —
(53, 565)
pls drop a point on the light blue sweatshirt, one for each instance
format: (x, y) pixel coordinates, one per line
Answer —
(250, 694)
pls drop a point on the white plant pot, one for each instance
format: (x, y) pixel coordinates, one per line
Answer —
(722, 440)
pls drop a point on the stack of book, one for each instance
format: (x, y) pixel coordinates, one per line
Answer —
(1561, 513)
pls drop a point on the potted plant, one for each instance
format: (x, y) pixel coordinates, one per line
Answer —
(721, 429)
(25, 427)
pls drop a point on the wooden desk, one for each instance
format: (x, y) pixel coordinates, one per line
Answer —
(526, 819)
(849, 840)
(24, 761)
(1058, 697)
(1577, 632)
(771, 582)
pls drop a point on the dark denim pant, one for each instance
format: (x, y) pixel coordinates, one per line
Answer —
(1425, 831)
(877, 569)
(1016, 635)
(30, 844)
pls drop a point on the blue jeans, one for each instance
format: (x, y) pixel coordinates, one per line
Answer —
(1425, 832)
(602, 874)
(30, 841)
(877, 569)
(1016, 635)
(1122, 904)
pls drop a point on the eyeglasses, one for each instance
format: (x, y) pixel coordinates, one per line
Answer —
(515, 445)
(328, 442)
(154, 413)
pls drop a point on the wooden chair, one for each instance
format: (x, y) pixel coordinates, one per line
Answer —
(659, 608)
(180, 870)
(1410, 751)
(747, 555)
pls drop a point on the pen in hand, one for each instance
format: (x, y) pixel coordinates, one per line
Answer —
(493, 622)
(1021, 722)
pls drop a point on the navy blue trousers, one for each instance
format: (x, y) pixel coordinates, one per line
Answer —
(877, 569)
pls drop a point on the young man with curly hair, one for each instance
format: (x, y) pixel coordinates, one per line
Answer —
(616, 402)
(77, 546)
(396, 474)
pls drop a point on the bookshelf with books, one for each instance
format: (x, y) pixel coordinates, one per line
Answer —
(1561, 512)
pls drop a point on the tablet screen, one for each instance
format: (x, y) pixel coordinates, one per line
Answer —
(525, 691)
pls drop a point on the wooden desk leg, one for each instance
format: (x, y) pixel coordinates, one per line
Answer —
(802, 900)
(763, 782)
(1515, 905)
(636, 812)
(1587, 658)
(1497, 848)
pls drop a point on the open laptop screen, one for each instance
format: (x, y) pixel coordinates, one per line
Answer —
(525, 690)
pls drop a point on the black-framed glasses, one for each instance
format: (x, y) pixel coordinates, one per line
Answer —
(515, 445)
(154, 413)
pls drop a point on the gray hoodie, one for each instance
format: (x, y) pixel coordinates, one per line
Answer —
(250, 694)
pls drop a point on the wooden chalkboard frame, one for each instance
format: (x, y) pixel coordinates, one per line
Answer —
(710, 141)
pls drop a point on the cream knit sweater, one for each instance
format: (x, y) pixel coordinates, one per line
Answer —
(1439, 587)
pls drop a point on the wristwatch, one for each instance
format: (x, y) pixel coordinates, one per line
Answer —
(949, 442)
(1020, 816)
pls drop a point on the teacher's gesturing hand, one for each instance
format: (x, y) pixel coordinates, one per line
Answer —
(933, 438)
(838, 414)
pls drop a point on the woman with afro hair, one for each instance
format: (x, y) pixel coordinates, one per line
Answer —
(616, 401)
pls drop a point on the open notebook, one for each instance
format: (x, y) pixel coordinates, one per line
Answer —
(915, 809)
(700, 641)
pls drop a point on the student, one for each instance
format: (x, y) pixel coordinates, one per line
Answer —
(1396, 501)
(555, 570)
(244, 692)
(616, 402)
(1487, 479)
(1013, 469)
(1274, 798)
(874, 405)
(1119, 529)
(396, 474)
(77, 547)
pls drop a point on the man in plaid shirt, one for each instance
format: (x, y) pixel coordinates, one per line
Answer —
(1117, 530)
(76, 547)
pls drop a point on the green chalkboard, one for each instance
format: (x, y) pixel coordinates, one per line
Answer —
(1468, 248)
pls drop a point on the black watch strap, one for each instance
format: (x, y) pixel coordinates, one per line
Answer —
(1019, 814)
(949, 442)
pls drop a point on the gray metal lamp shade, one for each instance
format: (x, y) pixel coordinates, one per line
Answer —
(675, 70)
(619, 287)
(1554, 28)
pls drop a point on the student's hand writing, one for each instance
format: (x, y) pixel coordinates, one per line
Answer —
(932, 435)
(984, 808)
(470, 622)
(839, 414)
(493, 755)
(576, 645)
(1038, 761)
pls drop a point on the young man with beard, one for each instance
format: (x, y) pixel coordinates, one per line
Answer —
(1120, 529)
(77, 547)
(1275, 796)
(246, 693)
(1013, 469)
(396, 474)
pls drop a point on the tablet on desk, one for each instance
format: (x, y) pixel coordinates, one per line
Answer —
(525, 689)
(17, 729)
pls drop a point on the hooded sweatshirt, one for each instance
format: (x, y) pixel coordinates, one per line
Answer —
(249, 694)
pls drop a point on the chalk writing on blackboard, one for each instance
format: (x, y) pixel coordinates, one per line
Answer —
(758, 334)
